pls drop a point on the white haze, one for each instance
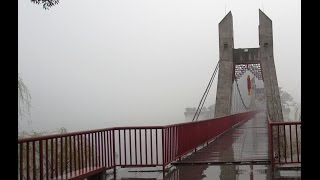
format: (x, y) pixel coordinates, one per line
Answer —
(106, 63)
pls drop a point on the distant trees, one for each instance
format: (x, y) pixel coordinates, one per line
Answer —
(46, 3)
(289, 104)
(24, 99)
(297, 112)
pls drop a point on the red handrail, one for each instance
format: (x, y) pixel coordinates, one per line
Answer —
(284, 142)
(65, 154)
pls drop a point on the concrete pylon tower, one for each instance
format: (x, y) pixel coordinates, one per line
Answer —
(268, 68)
(262, 56)
(224, 87)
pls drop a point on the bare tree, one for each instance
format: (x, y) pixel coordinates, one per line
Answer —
(46, 3)
(286, 101)
(24, 99)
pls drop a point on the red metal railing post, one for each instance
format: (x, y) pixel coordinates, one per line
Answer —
(99, 149)
(297, 142)
(163, 155)
(91, 152)
(290, 144)
(110, 144)
(21, 161)
(52, 158)
(169, 145)
(41, 159)
(146, 145)
(151, 146)
(34, 159)
(61, 160)
(157, 145)
(135, 145)
(28, 172)
(78, 148)
(66, 154)
(285, 143)
(140, 147)
(130, 147)
(119, 132)
(279, 156)
(114, 154)
(70, 151)
(125, 147)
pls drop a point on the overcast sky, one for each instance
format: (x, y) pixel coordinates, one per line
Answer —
(105, 63)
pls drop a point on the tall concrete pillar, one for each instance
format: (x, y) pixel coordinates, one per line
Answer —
(268, 68)
(224, 87)
(230, 56)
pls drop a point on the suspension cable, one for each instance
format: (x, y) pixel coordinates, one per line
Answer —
(204, 96)
(240, 95)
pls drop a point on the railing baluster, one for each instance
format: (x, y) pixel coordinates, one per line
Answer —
(70, 155)
(41, 159)
(21, 161)
(96, 148)
(79, 155)
(290, 144)
(66, 158)
(135, 145)
(163, 150)
(125, 147)
(28, 172)
(92, 151)
(151, 146)
(119, 132)
(104, 149)
(157, 146)
(297, 142)
(81, 152)
(99, 147)
(109, 144)
(74, 153)
(279, 156)
(85, 152)
(61, 160)
(146, 145)
(130, 147)
(165, 146)
(169, 144)
(56, 157)
(285, 143)
(34, 159)
(114, 149)
(140, 147)
(52, 162)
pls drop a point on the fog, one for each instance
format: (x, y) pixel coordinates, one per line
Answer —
(106, 63)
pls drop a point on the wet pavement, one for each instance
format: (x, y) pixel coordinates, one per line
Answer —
(223, 158)
(246, 143)
(211, 172)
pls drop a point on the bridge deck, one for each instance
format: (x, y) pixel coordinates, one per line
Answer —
(246, 143)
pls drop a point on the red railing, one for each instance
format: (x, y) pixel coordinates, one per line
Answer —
(138, 146)
(180, 139)
(64, 155)
(285, 142)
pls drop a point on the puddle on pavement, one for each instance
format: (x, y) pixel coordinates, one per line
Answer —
(206, 172)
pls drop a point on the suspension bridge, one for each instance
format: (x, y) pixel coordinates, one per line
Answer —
(248, 129)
